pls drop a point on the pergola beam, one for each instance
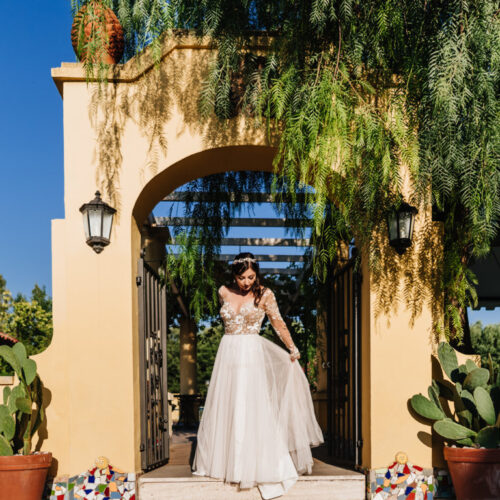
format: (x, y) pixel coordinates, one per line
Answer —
(280, 270)
(261, 242)
(200, 196)
(235, 222)
(266, 258)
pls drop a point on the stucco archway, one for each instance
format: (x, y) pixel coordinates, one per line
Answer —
(147, 141)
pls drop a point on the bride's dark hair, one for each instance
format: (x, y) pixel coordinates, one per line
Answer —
(238, 268)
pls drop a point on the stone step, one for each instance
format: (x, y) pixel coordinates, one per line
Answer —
(327, 482)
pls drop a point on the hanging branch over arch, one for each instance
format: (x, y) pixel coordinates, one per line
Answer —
(359, 90)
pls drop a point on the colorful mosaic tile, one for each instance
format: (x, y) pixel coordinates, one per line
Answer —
(402, 481)
(102, 482)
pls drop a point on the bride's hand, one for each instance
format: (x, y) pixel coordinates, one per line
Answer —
(294, 354)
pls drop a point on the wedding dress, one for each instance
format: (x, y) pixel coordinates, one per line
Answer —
(258, 424)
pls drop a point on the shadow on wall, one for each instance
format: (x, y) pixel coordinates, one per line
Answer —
(412, 280)
(43, 433)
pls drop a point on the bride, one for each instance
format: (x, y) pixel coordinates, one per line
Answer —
(258, 424)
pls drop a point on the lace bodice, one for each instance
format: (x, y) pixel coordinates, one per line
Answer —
(248, 320)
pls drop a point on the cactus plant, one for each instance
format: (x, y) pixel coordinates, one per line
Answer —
(21, 412)
(475, 420)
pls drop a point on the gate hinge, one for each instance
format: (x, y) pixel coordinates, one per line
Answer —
(138, 280)
(359, 443)
(142, 447)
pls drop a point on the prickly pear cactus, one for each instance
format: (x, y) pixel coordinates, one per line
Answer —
(475, 420)
(21, 412)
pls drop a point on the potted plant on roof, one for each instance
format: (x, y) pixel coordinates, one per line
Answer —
(22, 472)
(97, 35)
(471, 428)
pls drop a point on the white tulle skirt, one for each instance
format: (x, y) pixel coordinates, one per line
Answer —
(258, 423)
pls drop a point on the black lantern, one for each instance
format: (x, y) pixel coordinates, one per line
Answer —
(97, 222)
(400, 223)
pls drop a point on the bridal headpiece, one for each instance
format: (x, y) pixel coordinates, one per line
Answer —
(244, 259)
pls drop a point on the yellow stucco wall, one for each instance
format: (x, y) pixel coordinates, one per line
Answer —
(136, 144)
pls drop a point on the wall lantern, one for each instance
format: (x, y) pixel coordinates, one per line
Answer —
(400, 223)
(97, 222)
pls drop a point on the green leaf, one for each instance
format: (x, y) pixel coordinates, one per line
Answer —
(5, 448)
(29, 368)
(451, 430)
(489, 437)
(4, 411)
(7, 427)
(8, 355)
(465, 442)
(17, 392)
(434, 396)
(484, 405)
(24, 405)
(470, 365)
(468, 401)
(20, 352)
(445, 391)
(6, 394)
(426, 408)
(476, 378)
(448, 359)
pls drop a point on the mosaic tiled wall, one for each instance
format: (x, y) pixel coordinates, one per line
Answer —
(102, 482)
(403, 480)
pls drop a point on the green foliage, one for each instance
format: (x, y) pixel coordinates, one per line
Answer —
(476, 417)
(193, 269)
(356, 89)
(28, 320)
(5, 303)
(208, 343)
(21, 412)
(486, 342)
(173, 360)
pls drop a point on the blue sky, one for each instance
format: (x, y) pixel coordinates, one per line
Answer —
(36, 38)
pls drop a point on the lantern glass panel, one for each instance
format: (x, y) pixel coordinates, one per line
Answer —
(86, 224)
(95, 218)
(106, 224)
(393, 227)
(412, 223)
(405, 225)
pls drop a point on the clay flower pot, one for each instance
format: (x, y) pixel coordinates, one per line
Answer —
(475, 472)
(22, 477)
(113, 41)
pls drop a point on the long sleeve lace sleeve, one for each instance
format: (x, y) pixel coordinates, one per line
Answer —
(273, 313)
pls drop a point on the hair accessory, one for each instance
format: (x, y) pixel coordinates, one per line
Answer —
(244, 259)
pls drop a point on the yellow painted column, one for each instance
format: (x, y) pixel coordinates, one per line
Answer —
(401, 307)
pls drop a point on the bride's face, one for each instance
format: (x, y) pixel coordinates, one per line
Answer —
(246, 279)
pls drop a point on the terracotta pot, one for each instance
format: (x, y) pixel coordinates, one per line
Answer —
(475, 473)
(113, 39)
(22, 477)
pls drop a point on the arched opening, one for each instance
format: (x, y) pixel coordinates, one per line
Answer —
(333, 300)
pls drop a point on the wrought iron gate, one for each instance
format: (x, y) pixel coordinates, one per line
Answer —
(344, 366)
(153, 367)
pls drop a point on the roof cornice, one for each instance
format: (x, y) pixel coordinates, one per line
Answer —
(144, 62)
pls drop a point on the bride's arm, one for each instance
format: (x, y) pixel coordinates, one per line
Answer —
(220, 294)
(273, 313)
